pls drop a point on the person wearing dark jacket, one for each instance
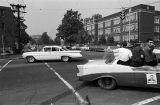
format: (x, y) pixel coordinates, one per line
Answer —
(150, 58)
(137, 56)
(143, 55)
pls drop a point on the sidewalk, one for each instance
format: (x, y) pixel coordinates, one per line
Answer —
(11, 57)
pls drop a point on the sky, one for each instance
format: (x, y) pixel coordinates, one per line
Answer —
(46, 15)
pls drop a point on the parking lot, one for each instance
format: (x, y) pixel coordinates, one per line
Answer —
(23, 83)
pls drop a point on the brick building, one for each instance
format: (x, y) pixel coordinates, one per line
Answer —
(141, 22)
(8, 28)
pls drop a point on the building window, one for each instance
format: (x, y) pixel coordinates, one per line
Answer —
(116, 29)
(2, 26)
(133, 26)
(116, 21)
(132, 17)
(90, 32)
(100, 32)
(88, 27)
(93, 32)
(100, 25)
(2, 12)
(125, 28)
(136, 36)
(156, 28)
(125, 37)
(136, 27)
(92, 27)
(107, 23)
(156, 20)
(117, 38)
(108, 31)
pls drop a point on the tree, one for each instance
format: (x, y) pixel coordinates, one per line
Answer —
(72, 24)
(32, 41)
(102, 40)
(24, 37)
(110, 40)
(96, 16)
(45, 39)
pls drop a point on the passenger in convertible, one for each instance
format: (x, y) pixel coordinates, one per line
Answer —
(123, 55)
(143, 55)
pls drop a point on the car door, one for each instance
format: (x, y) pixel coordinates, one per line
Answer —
(45, 54)
(147, 78)
(55, 53)
(124, 75)
(125, 79)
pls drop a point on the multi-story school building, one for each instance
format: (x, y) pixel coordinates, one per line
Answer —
(141, 22)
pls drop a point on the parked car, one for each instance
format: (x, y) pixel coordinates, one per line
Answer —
(76, 47)
(51, 53)
(85, 47)
(110, 75)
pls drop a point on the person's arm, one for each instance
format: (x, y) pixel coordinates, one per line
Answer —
(130, 54)
(141, 52)
(116, 50)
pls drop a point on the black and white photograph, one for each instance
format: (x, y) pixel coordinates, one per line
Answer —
(79, 52)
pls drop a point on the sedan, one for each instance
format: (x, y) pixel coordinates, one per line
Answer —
(51, 53)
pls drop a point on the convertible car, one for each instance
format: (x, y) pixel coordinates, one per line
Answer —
(110, 75)
(51, 53)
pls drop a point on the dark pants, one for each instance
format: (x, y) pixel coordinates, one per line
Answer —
(136, 63)
(124, 63)
(152, 63)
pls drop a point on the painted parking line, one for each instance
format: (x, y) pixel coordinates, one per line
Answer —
(70, 87)
(5, 65)
(147, 101)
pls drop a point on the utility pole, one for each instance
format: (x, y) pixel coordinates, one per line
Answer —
(129, 37)
(19, 9)
(3, 31)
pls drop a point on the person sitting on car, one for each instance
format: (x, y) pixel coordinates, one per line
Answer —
(137, 55)
(123, 55)
(150, 58)
(143, 55)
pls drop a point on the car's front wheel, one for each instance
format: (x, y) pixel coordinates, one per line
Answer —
(65, 58)
(107, 83)
(30, 59)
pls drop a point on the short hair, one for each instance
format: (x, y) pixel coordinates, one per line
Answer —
(148, 40)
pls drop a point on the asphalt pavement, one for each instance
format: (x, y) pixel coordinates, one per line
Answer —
(11, 56)
(23, 83)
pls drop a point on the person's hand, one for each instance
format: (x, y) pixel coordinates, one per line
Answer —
(142, 56)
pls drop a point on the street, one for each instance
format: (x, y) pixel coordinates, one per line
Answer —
(23, 83)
